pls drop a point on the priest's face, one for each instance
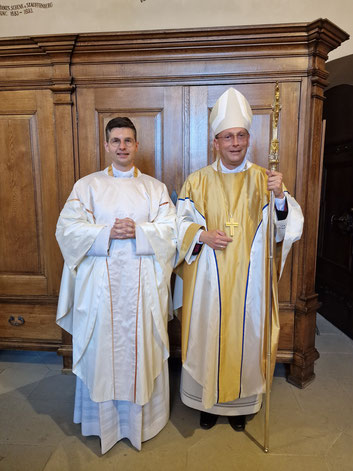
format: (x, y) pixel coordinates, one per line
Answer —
(122, 148)
(232, 145)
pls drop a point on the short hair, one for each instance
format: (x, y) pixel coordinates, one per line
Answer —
(120, 122)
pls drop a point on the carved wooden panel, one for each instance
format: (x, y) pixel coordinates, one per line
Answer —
(20, 196)
(27, 170)
(30, 261)
(157, 115)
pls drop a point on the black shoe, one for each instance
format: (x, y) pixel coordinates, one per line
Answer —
(207, 420)
(237, 422)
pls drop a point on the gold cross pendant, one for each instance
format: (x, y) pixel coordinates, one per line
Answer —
(232, 224)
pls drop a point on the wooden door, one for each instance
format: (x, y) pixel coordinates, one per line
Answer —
(30, 262)
(157, 113)
(334, 274)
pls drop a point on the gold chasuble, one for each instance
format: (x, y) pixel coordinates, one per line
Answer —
(224, 291)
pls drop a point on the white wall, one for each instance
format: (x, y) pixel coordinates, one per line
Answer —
(77, 16)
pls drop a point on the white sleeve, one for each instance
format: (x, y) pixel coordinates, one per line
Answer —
(100, 247)
(280, 203)
(143, 246)
(280, 229)
(294, 227)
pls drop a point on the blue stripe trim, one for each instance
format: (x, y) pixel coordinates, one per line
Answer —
(244, 312)
(184, 199)
(220, 321)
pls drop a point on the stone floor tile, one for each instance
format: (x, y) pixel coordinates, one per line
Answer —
(185, 420)
(347, 384)
(226, 461)
(75, 454)
(24, 458)
(22, 378)
(56, 386)
(337, 366)
(12, 408)
(349, 430)
(325, 327)
(39, 423)
(294, 434)
(169, 434)
(340, 455)
(51, 360)
(283, 396)
(326, 398)
(333, 343)
(172, 457)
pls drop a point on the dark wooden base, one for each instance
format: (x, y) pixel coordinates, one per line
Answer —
(20, 344)
(66, 352)
(301, 370)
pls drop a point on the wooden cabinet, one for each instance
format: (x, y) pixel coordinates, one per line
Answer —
(29, 258)
(58, 92)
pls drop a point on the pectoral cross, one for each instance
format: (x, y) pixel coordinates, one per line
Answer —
(232, 224)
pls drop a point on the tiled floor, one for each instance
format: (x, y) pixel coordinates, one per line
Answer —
(311, 429)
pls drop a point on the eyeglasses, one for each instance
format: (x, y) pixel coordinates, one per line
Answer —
(229, 137)
(128, 142)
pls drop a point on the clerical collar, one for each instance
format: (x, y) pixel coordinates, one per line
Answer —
(119, 174)
(240, 168)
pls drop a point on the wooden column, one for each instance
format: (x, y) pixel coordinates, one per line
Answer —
(322, 38)
(59, 52)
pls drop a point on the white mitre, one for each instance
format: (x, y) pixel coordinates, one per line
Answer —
(232, 110)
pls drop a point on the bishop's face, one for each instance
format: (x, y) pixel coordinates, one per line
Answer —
(122, 148)
(232, 145)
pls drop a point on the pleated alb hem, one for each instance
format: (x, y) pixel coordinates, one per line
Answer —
(114, 420)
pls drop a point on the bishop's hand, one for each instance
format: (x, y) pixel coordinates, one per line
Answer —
(123, 229)
(274, 183)
(216, 239)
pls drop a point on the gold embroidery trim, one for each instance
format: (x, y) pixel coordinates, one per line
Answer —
(85, 209)
(111, 173)
(137, 313)
(112, 322)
